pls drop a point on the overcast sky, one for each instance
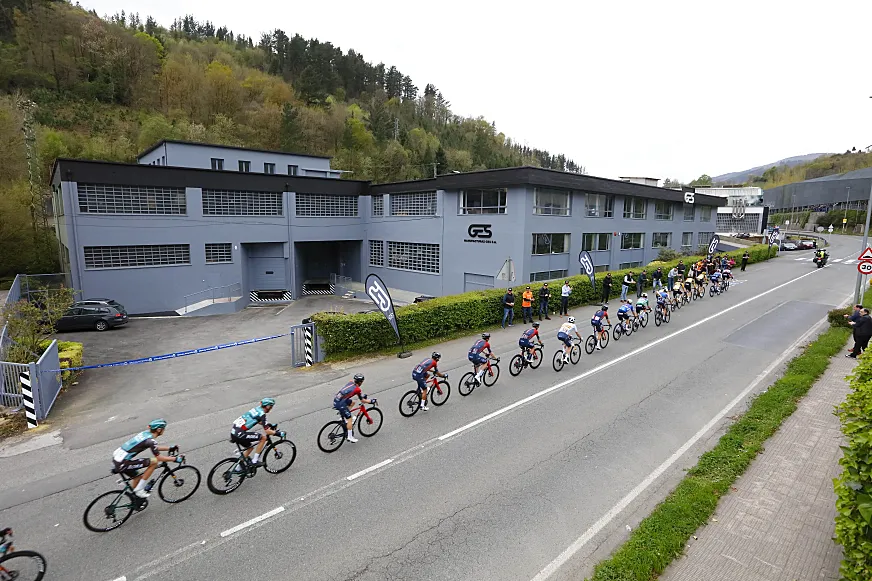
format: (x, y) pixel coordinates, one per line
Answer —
(662, 89)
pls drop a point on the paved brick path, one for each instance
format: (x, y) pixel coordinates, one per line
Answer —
(778, 523)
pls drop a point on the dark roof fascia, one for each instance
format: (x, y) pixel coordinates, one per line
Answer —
(195, 144)
(132, 174)
(535, 176)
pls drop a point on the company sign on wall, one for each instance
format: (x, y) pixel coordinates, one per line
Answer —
(480, 234)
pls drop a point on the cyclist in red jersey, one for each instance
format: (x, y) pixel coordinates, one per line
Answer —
(342, 401)
(419, 374)
(478, 357)
(526, 341)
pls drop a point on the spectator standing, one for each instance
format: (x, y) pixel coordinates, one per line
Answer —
(564, 298)
(670, 278)
(862, 333)
(508, 307)
(625, 286)
(640, 284)
(544, 297)
(527, 304)
(852, 318)
(745, 258)
(607, 288)
(657, 278)
(681, 268)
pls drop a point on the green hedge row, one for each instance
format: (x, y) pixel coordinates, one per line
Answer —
(444, 316)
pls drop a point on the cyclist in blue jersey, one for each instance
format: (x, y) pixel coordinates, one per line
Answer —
(479, 354)
(716, 276)
(125, 461)
(421, 373)
(625, 311)
(526, 341)
(240, 434)
(597, 322)
(662, 300)
(343, 400)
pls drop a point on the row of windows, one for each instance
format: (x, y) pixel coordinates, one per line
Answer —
(547, 275)
(232, 203)
(414, 256)
(245, 167)
(326, 206)
(97, 257)
(100, 199)
(595, 242)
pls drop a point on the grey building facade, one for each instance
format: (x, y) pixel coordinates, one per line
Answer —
(846, 190)
(160, 238)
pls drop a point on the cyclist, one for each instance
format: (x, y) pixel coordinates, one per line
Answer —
(662, 299)
(125, 461)
(642, 304)
(526, 341)
(688, 287)
(716, 277)
(240, 434)
(727, 274)
(676, 290)
(478, 357)
(342, 401)
(563, 334)
(597, 323)
(419, 374)
(624, 312)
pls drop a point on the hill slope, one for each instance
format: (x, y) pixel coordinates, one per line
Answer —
(741, 177)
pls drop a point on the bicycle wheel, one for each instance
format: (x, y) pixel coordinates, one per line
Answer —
(536, 361)
(557, 361)
(589, 344)
(643, 319)
(331, 436)
(603, 340)
(370, 427)
(226, 476)
(109, 511)
(658, 318)
(712, 291)
(667, 316)
(409, 403)
(672, 306)
(179, 484)
(467, 384)
(516, 365)
(490, 377)
(439, 393)
(629, 326)
(575, 353)
(278, 456)
(22, 566)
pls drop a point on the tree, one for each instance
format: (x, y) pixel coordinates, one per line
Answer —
(291, 132)
(30, 323)
(703, 180)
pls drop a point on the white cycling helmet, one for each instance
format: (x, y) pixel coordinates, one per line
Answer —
(571, 319)
(644, 295)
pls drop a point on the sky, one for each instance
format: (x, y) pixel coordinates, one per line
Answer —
(661, 89)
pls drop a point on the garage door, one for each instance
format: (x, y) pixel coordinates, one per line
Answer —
(267, 273)
(474, 282)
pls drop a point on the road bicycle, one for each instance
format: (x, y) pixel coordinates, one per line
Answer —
(438, 391)
(716, 289)
(675, 304)
(642, 318)
(662, 315)
(625, 327)
(468, 383)
(574, 355)
(591, 342)
(685, 297)
(368, 422)
(520, 362)
(229, 474)
(110, 510)
(19, 565)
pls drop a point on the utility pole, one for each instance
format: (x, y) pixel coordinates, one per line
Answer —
(434, 169)
(865, 242)
(847, 199)
(396, 128)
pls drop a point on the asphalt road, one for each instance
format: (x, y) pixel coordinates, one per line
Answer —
(542, 470)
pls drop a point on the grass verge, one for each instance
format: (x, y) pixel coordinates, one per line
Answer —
(661, 537)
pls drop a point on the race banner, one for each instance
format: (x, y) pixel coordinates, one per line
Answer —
(378, 292)
(586, 262)
(713, 243)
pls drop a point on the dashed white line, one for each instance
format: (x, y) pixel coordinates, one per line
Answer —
(370, 469)
(253, 521)
(837, 260)
(120, 579)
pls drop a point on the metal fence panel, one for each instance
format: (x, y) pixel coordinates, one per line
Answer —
(300, 355)
(10, 387)
(14, 291)
(48, 382)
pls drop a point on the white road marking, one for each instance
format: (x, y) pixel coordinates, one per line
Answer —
(837, 260)
(370, 469)
(253, 521)
(615, 361)
(120, 579)
(849, 261)
(604, 520)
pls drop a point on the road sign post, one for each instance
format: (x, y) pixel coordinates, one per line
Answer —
(865, 245)
(864, 267)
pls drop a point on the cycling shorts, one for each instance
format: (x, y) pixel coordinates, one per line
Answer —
(597, 325)
(477, 358)
(640, 308)
(244, 439)
(342, 407)
(524, 343)
(421, 381)
(567, 340)
(131, 468)
(623, 316)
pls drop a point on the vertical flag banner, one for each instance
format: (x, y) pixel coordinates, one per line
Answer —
(586, 262)
(713, 243)
(378, 292)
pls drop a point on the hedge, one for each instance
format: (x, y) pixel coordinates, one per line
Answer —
(346, 335)
(70, 354)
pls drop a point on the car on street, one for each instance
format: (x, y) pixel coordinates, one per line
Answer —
(789, 246)
(101, 303)
(807, 244)
(99, 317)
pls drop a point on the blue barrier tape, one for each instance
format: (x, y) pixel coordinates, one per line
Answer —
(170, 355)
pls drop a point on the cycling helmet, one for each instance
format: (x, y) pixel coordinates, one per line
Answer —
(644, 295)
(536, 324)
(358, 379)
(571, 319)
(267, 401)
(485, 336)
(158, 424)
(436, 356)
(605, 307)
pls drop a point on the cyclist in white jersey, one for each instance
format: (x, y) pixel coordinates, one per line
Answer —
(564, 334)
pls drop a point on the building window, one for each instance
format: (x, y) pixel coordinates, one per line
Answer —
(232, 203)
(702, 241)
(135, 256)
(57, 201)
(378, 205)
(626, 265)
(662, 210)
(632, 241)
(551, 202)
(218, 252)
(547, 275)
(269, 168)
(293, 170)
(417, 204)
(483, 201)
(689, 212)
(599, 206)
(686, 241)
(415, 256)
(635, 208)
(102, 199)
(595, 242)
(661, 240)
(376, 253)
(326, 206)
(705, 214)
(217, 163)
(244, 166)
(601, 268)
(550, 243)
(726, 223)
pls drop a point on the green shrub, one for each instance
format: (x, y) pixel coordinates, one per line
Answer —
(836, 317)
(70, 354)
(444, 316)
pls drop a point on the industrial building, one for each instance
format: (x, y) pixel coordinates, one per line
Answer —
(848, 190)
(192, 222)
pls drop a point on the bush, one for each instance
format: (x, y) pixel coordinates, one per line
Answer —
(667, 255)
(70, 354)
(836, 317)
(445, 316)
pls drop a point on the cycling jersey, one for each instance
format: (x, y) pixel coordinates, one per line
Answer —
(716, 276)
(530, 333)
(676, 287)
(424, 367)
(250, 419)
(624, 309)
(661, 298)
(642, 302)
(346, 393)
(567, 328)
(138, 443)
(598, 317)
(480, 346)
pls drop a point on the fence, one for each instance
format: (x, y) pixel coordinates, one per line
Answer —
(10, 388)
(216, 294)
(48, 380)
(304, 345)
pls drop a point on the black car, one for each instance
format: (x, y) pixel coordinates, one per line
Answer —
(101, 303)
(100, 317)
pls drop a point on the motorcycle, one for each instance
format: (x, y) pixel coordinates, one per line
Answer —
(821, 262)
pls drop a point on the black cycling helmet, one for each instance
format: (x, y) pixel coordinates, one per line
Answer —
(485, 336)
(358, 379)
(605, 307)
(535, 324)
(436, 356)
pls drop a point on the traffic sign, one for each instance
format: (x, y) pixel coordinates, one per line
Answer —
(844, 220)
(864, 267)
(867, 254)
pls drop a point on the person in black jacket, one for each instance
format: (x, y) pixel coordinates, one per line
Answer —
(640, 283)
(745, 258)
(607, 288)
(544, 295)
(508, 307)
(862, 333)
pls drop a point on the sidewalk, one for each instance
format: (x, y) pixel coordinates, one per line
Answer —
(778, 523)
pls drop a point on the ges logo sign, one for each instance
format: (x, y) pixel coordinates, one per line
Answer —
(480, 234)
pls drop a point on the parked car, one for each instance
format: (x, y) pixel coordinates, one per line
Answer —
(807, 244)
(743, 235)
(101, 303)
(99, 317)
(789, 246)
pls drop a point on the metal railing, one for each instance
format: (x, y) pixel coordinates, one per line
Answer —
(216, 294)
(10, 386)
